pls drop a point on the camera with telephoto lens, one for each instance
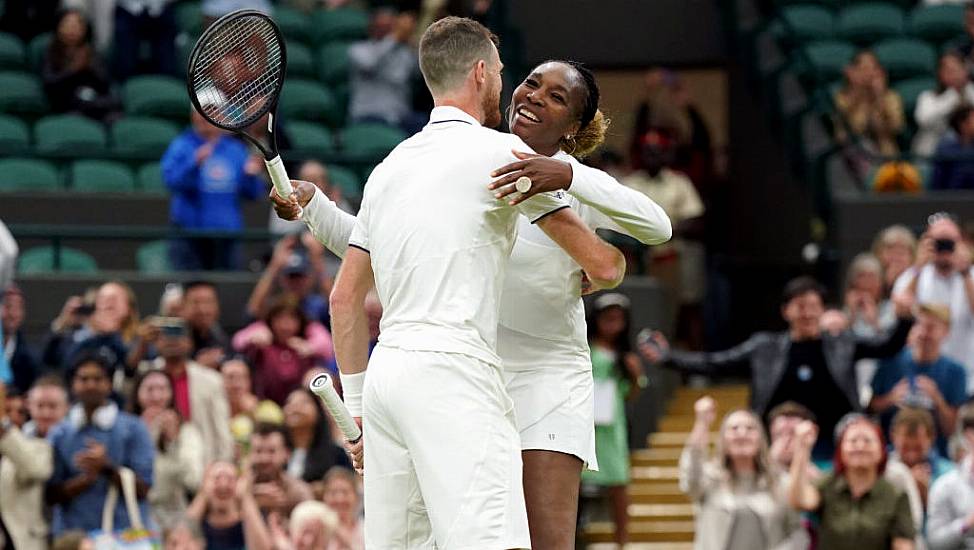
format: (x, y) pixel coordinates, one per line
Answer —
(944, 245)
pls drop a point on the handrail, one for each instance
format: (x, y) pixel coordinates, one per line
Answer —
(130, 232)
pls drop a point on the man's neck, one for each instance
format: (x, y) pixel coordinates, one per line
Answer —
(466, 103)
(797, 336)
(90, 409)
(175, 367)
(927, 358)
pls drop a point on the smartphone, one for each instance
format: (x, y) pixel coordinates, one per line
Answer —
(170, 326)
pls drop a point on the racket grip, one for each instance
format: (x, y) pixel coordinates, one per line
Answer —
(322, 386)
(275, 167)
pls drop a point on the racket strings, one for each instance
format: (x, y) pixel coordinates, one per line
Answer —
(238, 71)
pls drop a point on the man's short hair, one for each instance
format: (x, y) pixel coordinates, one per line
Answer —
(449, 49)
(941, 312)
(959, 116)
(965, 417)
(49, 381)
(265, 429)
(911, 419)
(800, 286)
(187, 287)
(791, 408)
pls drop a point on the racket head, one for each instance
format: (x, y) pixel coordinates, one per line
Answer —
(236, 70)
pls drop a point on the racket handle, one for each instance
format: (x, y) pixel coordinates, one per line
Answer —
(322, 386)
(275, 167)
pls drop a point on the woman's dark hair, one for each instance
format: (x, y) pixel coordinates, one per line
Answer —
(87, 356)
(800, 286)
(134, 406)
(321, 452)
(287, 304)
(622, 344)
(592, 124)
(947, 54)
(57, 51)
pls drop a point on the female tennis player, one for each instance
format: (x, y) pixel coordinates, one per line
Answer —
(542, 334)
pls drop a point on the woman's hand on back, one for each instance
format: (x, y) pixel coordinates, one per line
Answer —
(546, 174)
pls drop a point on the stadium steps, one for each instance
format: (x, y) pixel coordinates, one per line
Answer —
(660, 514)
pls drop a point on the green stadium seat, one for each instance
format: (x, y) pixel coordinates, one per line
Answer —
(868, 22)
(156, 95)
(342, 24)
(12, 52)
(36, 50)
(828, 58)
(937, 23)
(306, 100)
(69, 135)
(189, 17)
(21, 174)
(807, 22)
(333, 63)
(309, 138)
(153, 257)
(906, 57)
(371, 139)
(101, 176)
(142, 137)
(14, 136)
(43, 259)
(294, 24)
(346, 180)
(149, 179)
(300, 62)
(21, 93)
(910, 90)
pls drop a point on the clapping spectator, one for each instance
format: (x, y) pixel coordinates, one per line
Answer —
(934, 107)
(245, 407)
(74, 78)
(953, 165)
(297, 268)
(20, 356)
(912, 436)
(275, 489)
(895, 247)
(226, 512)
(782, 421)
(867, 108)
(313, 453)
(343, 495)
(138, 21)
(741, 502)
(950, 518)
(201, 310)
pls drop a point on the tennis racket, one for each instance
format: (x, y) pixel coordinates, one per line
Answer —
(236, 72)
(322, 386)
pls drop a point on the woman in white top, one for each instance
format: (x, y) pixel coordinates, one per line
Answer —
(934, 106)
(542, 333)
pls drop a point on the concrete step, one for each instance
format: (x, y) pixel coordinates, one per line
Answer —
(661, 512)
(654, 474)
(677, 423)
(657, 493)
(675, 439)
(643, 531)
(664, 456)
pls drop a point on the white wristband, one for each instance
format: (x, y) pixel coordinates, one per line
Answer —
(352, 392)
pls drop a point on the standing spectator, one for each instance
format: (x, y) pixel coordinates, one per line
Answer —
(343, 495)
(313, 453)
(867, 109)
(282, 348)
(15, 408)
(803, 364)
(298, 269)
(912, 435)
(226, 512)
(201, 310)
(659, 111)
(943, 274)
(89, 447)
(870, 312)
(782, 421)
(8, 264)
(74, 78)
(138, 21)
(895, 247)
(274, 488)
(245, 408)
(618, 375)
(180, 458)
(741, 502)
(47, 402)
(950, 521)
(207, 173)
(26, 463)
(316, 173)
(934, 107)
(858, 508)
(953, 165)
(382, 70)
(921, 377)
(198, 394)
(19, 355)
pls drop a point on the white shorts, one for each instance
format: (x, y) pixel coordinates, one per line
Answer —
(555, 410)
(442, 457)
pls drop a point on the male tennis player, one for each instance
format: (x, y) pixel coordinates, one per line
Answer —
(443, 462)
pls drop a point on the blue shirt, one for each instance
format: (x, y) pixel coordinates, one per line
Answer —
(207, 196)
(950, 377)
(956, 169)
(126, 442)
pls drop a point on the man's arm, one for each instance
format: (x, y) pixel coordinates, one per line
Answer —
(331, 225)
(887, 345)
(349, 324)
(602, 262)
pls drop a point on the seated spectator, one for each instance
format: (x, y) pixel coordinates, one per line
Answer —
(950, 516)
(857, 507)
(313, 453)
(47, 403)
(311, 527)
(867, 109)
(782, 421)
(895, 247)
(245, 408)
(933, 108)
(297, 269)
(207, 172)
(282, 348)
(144, 21)
(21, 358)
(953, 164)
(74, 79)
(342, 493)
(381, 72)
(943, 274)
(920, 376)
(912, 437)
(180, 459)
(274, 488)
(201, 310)
(198, 394)
(89, 447)
(741, 502)
(803, 364)
(226, 512)
(316, 173)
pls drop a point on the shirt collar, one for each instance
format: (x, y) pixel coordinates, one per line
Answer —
(449, 113)
(104, 417)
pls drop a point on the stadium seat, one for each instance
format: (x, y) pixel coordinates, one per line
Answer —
(156, 95)
(868, 22)
(937, 23)
(100, 176)
(142, 137)
(333, 63)
(306, 100)
(342, 24)
(21, 174)
(70, 135)
(14, 136)
(153, 257)
(295, 25)
(313, 139)
(21, 93)
(346, 180)
(910, 90)
(36, 50)
(12, 52)
(371, 139)
(42, 259)
(906, 57)
(807, 22)
(149, 179)
(300, 62)
(189, 18)
(827, 58)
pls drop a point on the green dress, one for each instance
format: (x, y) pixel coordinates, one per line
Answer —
(611, 440)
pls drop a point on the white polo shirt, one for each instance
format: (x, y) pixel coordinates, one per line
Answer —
(438, 239)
